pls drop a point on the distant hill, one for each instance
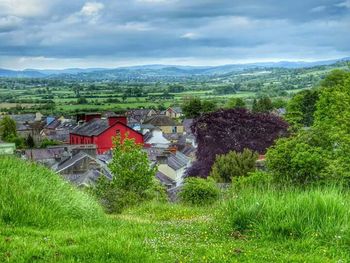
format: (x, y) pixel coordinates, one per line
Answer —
(153, 72)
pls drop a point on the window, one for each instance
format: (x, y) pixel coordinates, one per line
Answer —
(174, 129)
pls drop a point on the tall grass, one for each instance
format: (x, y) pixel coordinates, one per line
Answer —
(319, 213)
(31, 195)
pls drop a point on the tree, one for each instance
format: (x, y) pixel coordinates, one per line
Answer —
(223, 131)
(235, 103)
(208, 106)
(262, 105)
(7, 128)
(133, 177)
(301, 108)
(233, 164)
(192, 108)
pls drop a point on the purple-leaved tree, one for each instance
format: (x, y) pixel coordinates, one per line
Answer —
(235, 129)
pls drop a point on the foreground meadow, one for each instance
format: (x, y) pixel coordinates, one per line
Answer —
(44, 219)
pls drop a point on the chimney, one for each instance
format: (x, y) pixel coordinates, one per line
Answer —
(114, 119)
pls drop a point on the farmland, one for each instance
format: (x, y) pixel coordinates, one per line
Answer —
(63, 94)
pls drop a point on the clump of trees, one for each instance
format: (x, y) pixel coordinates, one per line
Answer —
(235, 103)
(220, 132)
(194, 107)
(321, 152)
(262, 105)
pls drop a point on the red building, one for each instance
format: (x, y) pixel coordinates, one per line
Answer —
(101, 132)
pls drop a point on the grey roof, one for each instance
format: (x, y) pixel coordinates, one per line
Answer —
(165, 179)
(72, 160)
(92, 128)
(43, 154)
(177, 161)
(177, 109)
(88, 178)
(188, 150)
(53, 125)
(187, 123)
(161, 120)
(23, 118)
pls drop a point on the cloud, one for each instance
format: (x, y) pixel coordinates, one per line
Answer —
(9, 23)
(208, 31)
(91, 9)
(345, 4)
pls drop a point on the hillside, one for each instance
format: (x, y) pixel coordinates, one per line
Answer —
(45, 220)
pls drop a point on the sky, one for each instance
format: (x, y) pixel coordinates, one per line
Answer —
(66, 34)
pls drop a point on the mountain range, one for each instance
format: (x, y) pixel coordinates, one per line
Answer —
(156, 70)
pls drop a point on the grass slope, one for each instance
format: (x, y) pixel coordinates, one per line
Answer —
(248, 226)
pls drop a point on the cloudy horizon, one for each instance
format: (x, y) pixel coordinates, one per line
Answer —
(68, 34)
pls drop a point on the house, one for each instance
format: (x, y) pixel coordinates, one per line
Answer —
(7, 148)
(102, 131)
(165, 123)
(53, 155)
(82, 169)
(174, 166)
(174, 112)
(140, 115)
(155, 139)
(58, 129)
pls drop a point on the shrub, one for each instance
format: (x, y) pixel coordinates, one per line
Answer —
(233, 164)
(291, 213)
(199, 191)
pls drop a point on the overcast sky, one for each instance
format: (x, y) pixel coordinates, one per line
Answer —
(75, 33)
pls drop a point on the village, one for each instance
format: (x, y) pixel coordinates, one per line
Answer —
(80, 148)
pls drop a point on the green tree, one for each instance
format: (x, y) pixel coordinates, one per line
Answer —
(233, 164)
(133, 178)
(235, 103)
(192, 108)
(7, 128)
(301, 108)
(208, 106)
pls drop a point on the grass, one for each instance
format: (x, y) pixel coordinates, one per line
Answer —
(62, 224)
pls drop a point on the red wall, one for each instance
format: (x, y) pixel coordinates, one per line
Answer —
(104, 141)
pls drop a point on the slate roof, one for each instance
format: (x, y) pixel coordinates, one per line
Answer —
(71, 161)
(161, 120)
(165, 179)
(177, 161)
(177, 109)
(187, 125)
(53, 125)
(43, 154)
(188, 150)
(92, 128)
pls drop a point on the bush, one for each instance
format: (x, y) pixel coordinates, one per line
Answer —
(293, 161)
(233, 164)
(32, 195)
(199, 191)
(291, 213)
